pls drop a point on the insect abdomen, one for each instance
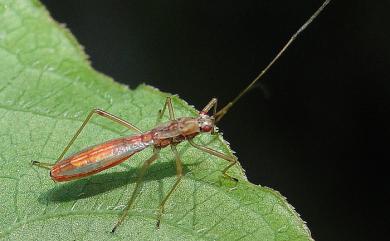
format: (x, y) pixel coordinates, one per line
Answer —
(97, 158)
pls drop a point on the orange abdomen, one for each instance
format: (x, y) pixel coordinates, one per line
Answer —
(98, 158)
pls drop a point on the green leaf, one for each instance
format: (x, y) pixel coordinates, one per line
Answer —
(47, 87)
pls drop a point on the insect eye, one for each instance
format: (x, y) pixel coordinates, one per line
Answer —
(206, 128)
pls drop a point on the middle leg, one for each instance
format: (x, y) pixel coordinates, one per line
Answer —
(168, 103)
(137, 188)
(179, 175)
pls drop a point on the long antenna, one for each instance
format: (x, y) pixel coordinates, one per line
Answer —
(225, 109)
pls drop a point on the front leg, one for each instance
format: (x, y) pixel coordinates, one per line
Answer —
(231, 159)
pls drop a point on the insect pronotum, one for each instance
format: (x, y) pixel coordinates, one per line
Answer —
(113, 152)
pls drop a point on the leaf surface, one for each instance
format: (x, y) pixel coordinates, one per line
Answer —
(47, 87)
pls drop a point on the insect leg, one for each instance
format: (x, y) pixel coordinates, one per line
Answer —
(231, 159)
(179, 175)
(94, 111)
(42, 164)
(137, 188)
(211, 104)
(168, 102)
(103, 114)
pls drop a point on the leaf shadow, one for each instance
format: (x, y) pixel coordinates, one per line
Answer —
(105, 182)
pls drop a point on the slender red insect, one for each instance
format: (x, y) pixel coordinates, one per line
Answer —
(113, 152)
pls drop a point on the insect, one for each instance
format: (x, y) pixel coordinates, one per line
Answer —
(169, 134)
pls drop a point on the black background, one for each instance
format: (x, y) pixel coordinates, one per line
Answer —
(316, 129)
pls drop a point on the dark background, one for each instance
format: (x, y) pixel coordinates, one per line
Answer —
(315, 129)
